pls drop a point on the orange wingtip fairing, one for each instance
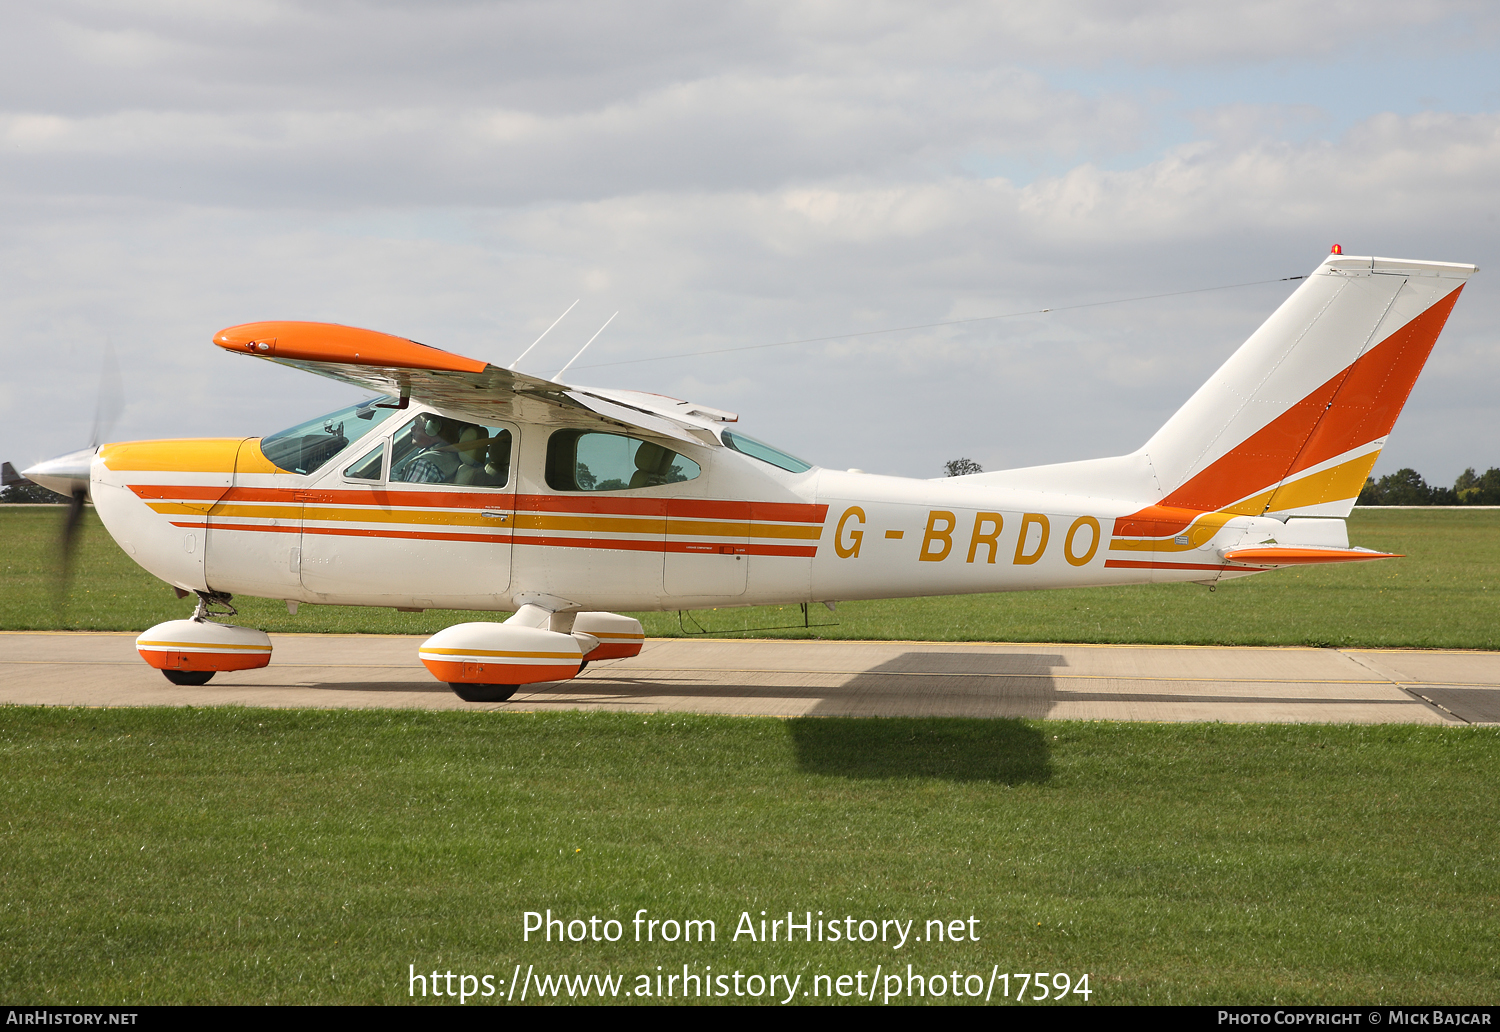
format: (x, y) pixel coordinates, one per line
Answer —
(1303, 556)
(330, 342)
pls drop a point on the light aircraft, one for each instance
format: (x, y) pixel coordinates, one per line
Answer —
(463, 485)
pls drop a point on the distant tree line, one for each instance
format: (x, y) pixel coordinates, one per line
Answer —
(26, 491)
(1406, 487)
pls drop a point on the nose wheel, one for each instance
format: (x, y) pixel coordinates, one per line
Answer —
(483, 692)
(188, 677)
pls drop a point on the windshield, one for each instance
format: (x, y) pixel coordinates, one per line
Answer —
(307, 446)
(765, 453)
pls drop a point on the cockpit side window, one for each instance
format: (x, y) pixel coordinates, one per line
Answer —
(368, 467)
(433, 449)
(582, 460)
(310, 446)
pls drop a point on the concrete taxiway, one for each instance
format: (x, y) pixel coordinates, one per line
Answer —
(813, 678)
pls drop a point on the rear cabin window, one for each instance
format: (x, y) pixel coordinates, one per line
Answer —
(581, 460)
(434, 449)
(765, 452)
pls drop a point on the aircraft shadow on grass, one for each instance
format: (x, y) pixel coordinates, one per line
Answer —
(1002, 750)
(927, 740)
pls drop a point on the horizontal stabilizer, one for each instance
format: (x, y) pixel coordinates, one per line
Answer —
(1273, 556)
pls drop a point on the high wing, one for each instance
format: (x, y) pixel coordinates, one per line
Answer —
(465, 387)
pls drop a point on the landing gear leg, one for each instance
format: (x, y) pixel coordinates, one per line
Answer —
(207, 600)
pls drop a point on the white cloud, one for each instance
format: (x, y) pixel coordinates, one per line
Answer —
(722, 175)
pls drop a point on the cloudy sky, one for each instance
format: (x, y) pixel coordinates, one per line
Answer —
(732, 175)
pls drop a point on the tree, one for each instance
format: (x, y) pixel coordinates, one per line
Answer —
(1478, 490)
(1407, 487)
(962, 467)
(1403, 487)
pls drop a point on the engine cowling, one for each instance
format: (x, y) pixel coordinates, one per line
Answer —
(202, 645)
(495, 653)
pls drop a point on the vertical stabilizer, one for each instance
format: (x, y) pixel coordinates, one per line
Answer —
(1292, 423)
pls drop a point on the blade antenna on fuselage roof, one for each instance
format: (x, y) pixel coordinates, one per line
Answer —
(581, 350)
(544, 333)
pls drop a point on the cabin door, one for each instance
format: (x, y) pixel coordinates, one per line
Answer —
(423, 519)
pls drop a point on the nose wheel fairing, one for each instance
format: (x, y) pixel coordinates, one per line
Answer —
(200, 645)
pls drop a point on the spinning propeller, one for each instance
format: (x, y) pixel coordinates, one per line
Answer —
(68, 475)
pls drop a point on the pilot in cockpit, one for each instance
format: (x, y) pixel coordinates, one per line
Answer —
(434, 461)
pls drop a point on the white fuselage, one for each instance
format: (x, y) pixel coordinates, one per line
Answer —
(219, 517)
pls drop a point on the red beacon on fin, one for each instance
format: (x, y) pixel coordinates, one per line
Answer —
(1337, 249)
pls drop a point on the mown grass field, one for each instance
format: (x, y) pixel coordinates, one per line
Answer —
(232, 855)
(238, 856)
(1445, 594)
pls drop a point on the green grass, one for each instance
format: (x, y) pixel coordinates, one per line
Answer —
(230, 855)
(1445, 594)
(233, 855)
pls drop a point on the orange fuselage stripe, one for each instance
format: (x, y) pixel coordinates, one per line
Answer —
(1136, 564)
(613, 544)
(674, 508)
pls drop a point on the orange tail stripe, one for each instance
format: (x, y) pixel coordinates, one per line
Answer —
(1355, 407)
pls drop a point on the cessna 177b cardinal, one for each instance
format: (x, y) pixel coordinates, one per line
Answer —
(468, 486)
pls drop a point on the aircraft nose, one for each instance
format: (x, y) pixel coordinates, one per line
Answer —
(66, 474)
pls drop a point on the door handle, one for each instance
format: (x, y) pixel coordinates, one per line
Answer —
(495, 515)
